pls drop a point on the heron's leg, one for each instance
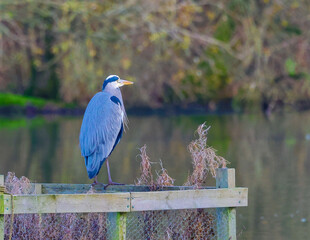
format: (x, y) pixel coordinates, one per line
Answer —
(109, 175)
(108, 167)
(95, 181)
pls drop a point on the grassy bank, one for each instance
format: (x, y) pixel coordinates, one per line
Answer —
(9, 99)
(17, 104)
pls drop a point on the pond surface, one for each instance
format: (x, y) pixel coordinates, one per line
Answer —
(271, 157)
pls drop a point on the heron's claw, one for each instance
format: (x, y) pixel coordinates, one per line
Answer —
(96, 183)
(113, 183)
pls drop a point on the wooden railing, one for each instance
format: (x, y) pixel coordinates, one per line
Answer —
(121, 200)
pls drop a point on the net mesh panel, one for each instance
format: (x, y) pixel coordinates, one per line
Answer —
(170, 224)
(59, 226)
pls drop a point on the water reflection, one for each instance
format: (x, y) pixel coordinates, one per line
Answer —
(272, 158)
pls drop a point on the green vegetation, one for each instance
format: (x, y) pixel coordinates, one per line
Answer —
(12, 124)
(15, 123)
(9, 99)
(251, 53)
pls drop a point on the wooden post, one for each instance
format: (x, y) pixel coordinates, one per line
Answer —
(1, 180)
(1, 227)
(121, 225)
(117, 227)
(226, 217)
(38, 190)
(2, 208)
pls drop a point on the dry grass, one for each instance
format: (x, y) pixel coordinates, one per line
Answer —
(163, 179)
(204, 159)
(146, 178)
(196, 223)
(18, 186)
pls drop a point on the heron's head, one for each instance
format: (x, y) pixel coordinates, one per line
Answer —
(113, 81)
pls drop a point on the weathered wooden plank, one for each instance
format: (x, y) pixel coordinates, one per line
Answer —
(108, 202)
(121, 202)
(1, 180)
(2, 187)
(71, 203)
(187, 199)
(53, 188)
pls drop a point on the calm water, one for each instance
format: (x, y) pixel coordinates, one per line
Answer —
(271, 157)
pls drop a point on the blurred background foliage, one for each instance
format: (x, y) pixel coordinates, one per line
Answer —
(251, 54)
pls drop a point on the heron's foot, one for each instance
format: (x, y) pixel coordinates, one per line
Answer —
(113, 183)
(97, 183)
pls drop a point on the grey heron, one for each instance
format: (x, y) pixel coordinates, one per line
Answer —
(103, 125)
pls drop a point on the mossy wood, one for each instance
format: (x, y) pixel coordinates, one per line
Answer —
(1, 227)
(120, 220)
(226, 216)
(55, 188)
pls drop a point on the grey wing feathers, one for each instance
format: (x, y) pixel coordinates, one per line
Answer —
(101, 124)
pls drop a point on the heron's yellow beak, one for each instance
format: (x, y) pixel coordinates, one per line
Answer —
(125, 82)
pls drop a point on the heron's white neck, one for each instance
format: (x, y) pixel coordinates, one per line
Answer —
(114, 91)
(117, 93)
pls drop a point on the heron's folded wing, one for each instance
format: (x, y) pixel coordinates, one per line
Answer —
(101, 125)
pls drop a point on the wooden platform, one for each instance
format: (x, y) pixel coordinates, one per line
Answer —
(75, 198)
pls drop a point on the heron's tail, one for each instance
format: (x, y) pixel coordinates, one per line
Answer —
(93, 163)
